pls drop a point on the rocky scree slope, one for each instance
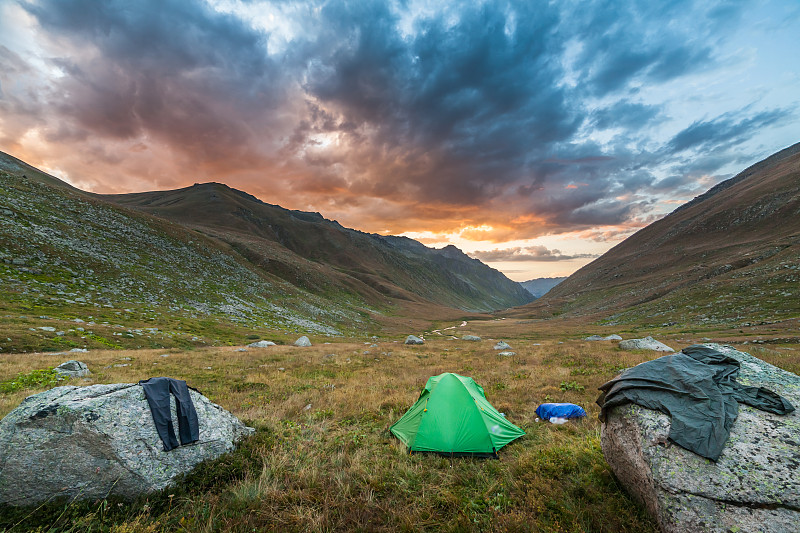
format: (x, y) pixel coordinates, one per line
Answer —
(324, 257)
(731, 255)
(67, 255)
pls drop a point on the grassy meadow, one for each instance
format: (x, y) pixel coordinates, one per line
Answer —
(322, 458)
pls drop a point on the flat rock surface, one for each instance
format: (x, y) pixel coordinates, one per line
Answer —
(755, 484)
(647, 343)
(90, 442)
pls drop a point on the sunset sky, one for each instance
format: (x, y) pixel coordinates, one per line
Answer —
(532, 135)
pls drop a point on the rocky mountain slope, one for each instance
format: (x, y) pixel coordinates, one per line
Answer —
(323, 257)
(731, 255)
(224, 263)
(68, 257)
(540, 286)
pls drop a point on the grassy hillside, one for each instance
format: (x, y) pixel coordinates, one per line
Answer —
(729, 257)
(320, 255)
(77, 272)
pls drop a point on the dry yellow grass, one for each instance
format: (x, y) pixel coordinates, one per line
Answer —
(323, 459)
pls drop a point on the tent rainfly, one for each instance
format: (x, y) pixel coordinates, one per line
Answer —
(453, 417)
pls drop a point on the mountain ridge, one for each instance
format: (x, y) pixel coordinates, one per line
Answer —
(394, 266)
(734, 238)
(311, 252)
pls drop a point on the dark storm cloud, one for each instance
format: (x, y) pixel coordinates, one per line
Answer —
(469, 102)
(172, 69)
(531, 253)
(624, 114)
(619, 44)
(726, 130)
(487, 111)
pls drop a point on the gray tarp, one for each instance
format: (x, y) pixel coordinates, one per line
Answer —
(697, 387)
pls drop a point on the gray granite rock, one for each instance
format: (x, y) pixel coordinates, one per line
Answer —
(613, 337)
(502, 345)
(647, 343)
(72, 369)
(413, 339)
(91, 442)
(302, 341)
(754, 486)
(261, 344)
(473, 338)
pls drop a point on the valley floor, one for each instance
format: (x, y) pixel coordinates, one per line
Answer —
(322, 458)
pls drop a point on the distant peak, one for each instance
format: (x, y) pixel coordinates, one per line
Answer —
(452, 252)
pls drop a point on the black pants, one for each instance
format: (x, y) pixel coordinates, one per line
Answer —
(157, 391)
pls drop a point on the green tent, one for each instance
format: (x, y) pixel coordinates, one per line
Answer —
(453, 417)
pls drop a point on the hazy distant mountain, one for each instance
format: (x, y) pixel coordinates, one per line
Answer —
(538, 287)
(729, 254)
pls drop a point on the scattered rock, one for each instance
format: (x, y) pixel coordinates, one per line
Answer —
(91, 442)
(470, 338)
(261, 344)
(647, 343)
(599, 338)
(47, 328)
(79, 350)
(241, 350)
(72, 369)
(752, 487)
(502, 345)
(507, 354)
(307, 407)
(302, 341)
(413, 339)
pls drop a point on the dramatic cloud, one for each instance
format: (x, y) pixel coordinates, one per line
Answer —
(532, 253)
(496, 120)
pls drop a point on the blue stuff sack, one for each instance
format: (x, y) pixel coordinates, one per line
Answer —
(546, 411)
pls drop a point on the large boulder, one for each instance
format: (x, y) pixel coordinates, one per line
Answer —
(413, 339)
(473, 338)
(72, 369)
(302, 341)
(754, 485)
(502, 345)
(91, 442)
(261, 344)
(647, 343)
